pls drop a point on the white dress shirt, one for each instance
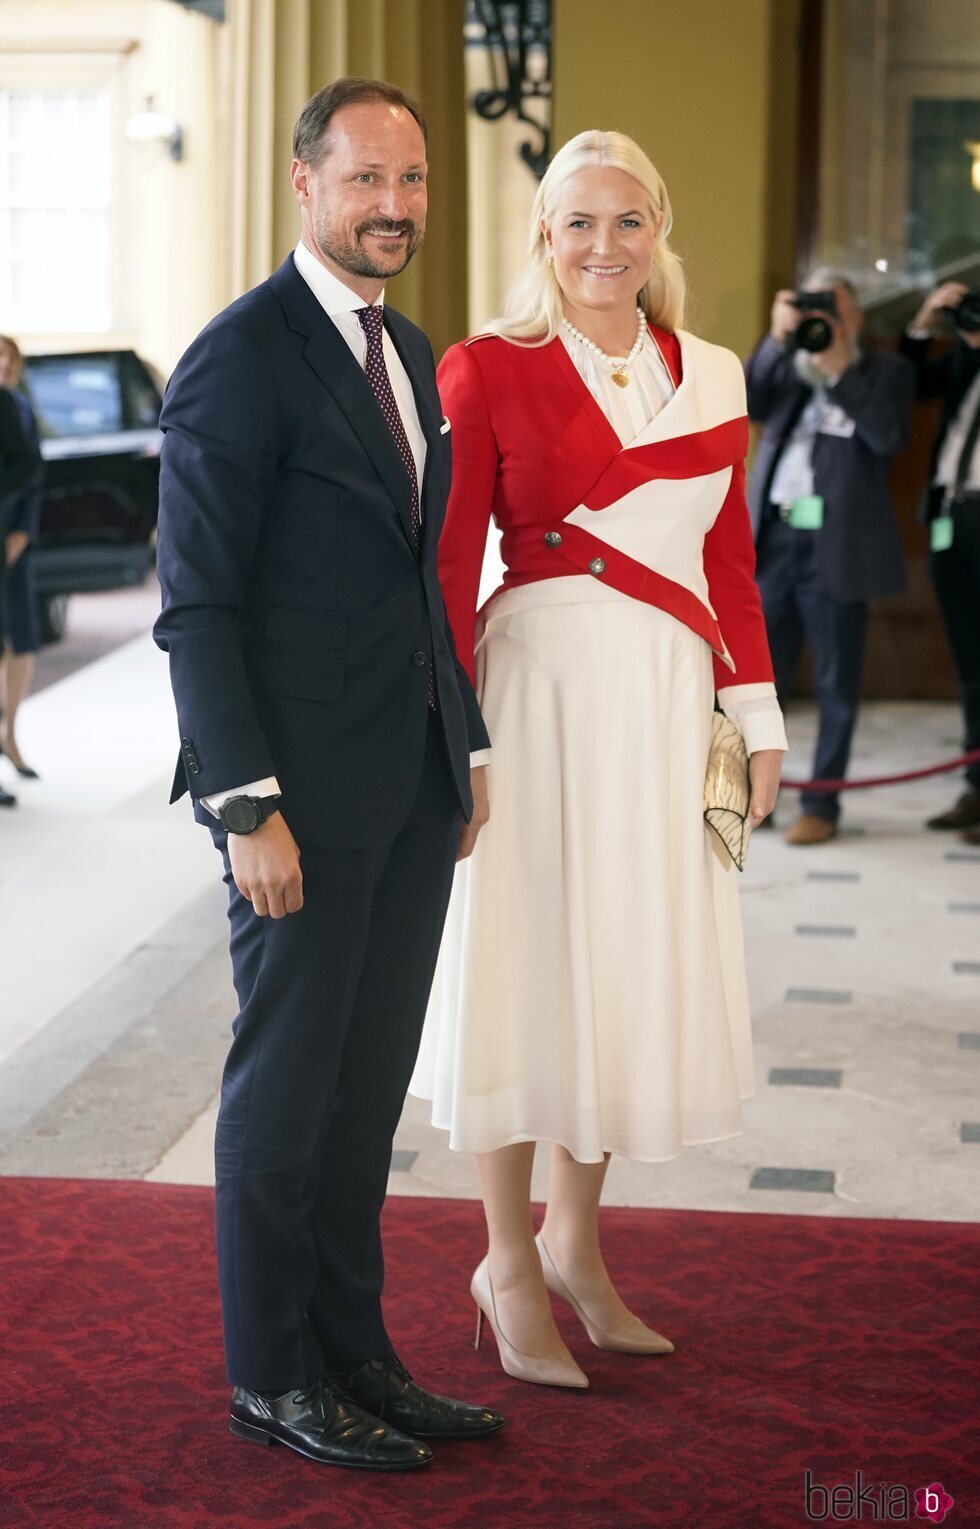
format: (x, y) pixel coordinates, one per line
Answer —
(629, 410)
(955, 438)
(754, 709)
(954, 441)
(341, 303)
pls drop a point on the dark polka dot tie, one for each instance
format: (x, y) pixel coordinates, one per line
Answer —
(372, 322)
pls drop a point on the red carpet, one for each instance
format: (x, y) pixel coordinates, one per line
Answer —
(819, 1344)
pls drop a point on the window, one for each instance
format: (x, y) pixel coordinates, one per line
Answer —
(55, 184)
(898, 184)
(143, 392)
(944, 182)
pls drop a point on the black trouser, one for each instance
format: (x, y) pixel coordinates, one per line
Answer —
(798, 608)
(956, 576)
(332, 1004)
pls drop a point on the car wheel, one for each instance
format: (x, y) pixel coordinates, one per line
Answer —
(52, 611)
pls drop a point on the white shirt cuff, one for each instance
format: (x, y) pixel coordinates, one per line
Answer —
(480, 757)
(756, 713)
(268, 787)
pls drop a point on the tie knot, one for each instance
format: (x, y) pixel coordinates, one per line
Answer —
(372, 321)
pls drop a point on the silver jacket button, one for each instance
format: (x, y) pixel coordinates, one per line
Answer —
(597, 565)
(553, 538)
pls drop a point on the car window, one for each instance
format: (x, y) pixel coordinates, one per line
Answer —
(143, 397)
(75, 395)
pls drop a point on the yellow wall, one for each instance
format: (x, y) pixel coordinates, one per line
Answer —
(707, 88)
(501, 193)
(173, 227)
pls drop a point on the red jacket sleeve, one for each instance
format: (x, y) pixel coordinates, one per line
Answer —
(729, 566)
(475, 456)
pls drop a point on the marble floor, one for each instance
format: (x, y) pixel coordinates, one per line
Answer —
(115, 994)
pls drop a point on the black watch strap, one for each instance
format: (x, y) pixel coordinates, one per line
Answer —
(244, 814)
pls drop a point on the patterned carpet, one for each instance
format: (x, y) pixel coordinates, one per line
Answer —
(803, 1345)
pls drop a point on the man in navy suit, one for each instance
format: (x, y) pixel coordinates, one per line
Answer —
(826, 536)
(334, 746)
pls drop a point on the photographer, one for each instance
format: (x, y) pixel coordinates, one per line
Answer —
(833, 417)
(951, 507)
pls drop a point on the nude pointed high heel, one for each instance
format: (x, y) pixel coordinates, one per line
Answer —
(540, 1372)
(646, 1342)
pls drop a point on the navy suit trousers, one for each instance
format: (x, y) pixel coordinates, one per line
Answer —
(332, 1001)
(798, 609)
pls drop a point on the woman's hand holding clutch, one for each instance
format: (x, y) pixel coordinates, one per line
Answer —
(764, 770)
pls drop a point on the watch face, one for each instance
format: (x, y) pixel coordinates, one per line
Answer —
(241, 815)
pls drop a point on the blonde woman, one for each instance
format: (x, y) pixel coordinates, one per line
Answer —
(591, 993)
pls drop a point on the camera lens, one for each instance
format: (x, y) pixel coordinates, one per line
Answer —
(814, 334)
(966, 315)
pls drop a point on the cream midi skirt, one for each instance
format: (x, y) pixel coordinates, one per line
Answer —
(591, 985)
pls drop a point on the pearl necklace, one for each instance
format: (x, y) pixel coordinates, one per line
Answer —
(619, 366)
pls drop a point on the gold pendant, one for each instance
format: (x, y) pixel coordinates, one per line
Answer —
(621, 377)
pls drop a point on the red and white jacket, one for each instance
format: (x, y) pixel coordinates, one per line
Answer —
(663, 519)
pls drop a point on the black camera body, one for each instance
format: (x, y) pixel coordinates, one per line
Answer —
(813, 333)
(966, 315)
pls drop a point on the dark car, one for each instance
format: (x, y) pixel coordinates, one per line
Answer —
(98, 414)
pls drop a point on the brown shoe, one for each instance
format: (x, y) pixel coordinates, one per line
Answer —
(809, 829)
(971, 836)
(966, 813)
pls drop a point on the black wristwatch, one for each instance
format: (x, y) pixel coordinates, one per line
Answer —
(244, 814)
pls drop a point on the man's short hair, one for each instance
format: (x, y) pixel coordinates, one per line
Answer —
(310, 135)
(826, 279)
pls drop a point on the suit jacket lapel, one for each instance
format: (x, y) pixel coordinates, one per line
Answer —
(329, 355)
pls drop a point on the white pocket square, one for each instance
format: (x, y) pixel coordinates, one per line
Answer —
(445, 427)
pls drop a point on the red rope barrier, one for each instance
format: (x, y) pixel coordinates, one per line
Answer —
(883, 780)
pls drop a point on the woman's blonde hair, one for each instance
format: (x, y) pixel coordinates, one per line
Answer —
(532, 311)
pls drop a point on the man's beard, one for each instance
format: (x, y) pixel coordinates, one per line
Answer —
(350, 254)
(807, 371)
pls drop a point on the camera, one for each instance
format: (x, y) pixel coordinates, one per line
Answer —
(813, 332)
(966, 315)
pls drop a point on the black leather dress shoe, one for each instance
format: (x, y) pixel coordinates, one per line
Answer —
(326, 1426)
(965, 813)
(385, 1388)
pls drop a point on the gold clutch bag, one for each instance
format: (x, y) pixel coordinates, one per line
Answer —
(726, 788)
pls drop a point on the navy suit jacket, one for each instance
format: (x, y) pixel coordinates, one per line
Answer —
(300, 624)
(858, 550)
